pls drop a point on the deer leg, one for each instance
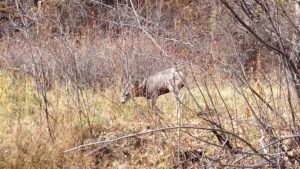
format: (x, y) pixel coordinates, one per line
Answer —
(155, 109)
(179, 98)
(158, 118)
(175, 90)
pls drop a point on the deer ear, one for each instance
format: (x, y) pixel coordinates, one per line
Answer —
(136, 83)
(122, 80)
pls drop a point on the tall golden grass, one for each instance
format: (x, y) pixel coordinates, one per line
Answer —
(26, 143)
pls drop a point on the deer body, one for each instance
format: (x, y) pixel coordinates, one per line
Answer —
(166, 81)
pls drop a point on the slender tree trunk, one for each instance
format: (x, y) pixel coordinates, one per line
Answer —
(213, 29)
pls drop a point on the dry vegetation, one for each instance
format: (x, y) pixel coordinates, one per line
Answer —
(64, 63)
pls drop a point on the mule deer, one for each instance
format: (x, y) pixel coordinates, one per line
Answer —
(166, 81)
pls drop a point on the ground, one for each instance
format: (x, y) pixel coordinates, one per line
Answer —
(93, 115)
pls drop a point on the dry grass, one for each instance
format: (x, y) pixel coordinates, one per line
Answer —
(82, 52)
(25, 140)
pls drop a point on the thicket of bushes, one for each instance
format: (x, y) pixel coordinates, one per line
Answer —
(64, 63)
(98, 42)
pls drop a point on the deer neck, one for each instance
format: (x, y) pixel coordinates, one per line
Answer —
(138, 91)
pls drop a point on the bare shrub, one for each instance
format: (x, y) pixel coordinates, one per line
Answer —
(69, 47)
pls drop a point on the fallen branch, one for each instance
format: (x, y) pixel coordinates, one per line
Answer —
(164, 129)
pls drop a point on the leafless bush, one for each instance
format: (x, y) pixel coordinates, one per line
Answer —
(96, 44)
